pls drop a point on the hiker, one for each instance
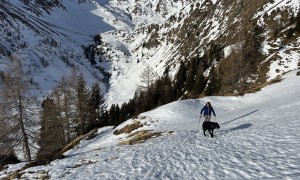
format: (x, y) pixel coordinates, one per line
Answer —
(207, 110)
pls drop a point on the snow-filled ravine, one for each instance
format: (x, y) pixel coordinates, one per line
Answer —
(259, 138)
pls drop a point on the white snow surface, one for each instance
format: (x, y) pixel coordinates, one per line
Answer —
(259, 138)
(273, 5)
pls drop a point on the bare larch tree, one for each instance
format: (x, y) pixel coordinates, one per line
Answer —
(16, 108)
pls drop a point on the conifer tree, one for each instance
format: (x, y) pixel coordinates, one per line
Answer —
(117, 115)
(132, 107)
(191, 73)
(112, 114)
(82, 105)
(124, 113)
(52, 135)
(180, 80)
(96, 106)
(134, 103)
(168, 89)
(149, 96)
(199, 84)
(158, 93)
(141, 101)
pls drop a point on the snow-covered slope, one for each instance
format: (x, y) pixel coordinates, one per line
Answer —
(259, 138)
(49, 38)
(50, 44)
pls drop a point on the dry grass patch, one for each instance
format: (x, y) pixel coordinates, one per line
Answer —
(140, 137)
(41, 174)
(44, 176)
(18, 173)
(75, 142)
(128, 128)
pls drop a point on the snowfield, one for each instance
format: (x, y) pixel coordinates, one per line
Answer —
(259, 138)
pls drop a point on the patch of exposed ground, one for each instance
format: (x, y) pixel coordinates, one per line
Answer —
(141, 136)
(128, 128)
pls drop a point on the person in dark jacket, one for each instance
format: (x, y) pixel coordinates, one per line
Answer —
(206, 111)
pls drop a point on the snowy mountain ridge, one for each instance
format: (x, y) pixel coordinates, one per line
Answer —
(48, 37)
(51, 38)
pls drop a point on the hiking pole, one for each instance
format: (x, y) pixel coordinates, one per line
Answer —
(199, 123)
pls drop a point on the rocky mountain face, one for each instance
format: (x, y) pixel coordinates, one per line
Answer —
(241, 40)
(243, 43)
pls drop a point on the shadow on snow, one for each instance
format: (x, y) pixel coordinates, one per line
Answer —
(239, 117)
(240, 127)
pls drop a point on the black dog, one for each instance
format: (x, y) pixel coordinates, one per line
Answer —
(210, 126)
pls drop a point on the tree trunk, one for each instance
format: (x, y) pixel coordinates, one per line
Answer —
(66, 106)
(24, 134)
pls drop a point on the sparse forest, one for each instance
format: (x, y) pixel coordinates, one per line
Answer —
(72, 109)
